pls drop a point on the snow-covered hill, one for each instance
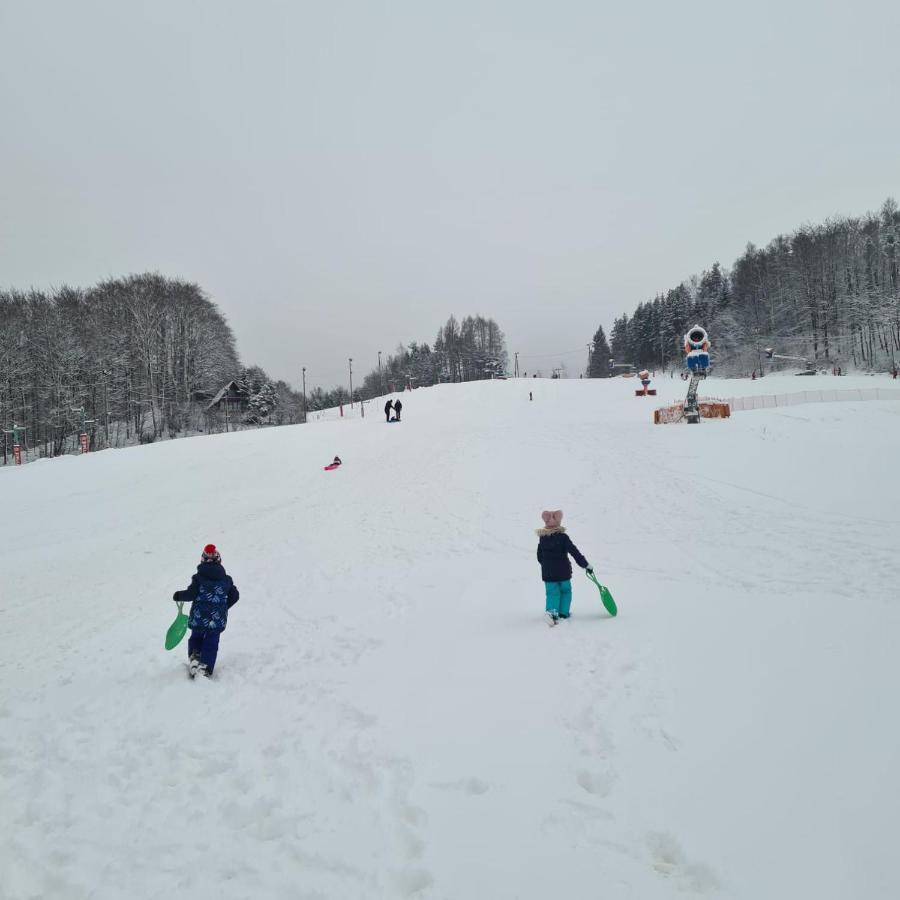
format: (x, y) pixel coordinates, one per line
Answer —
(390, 716)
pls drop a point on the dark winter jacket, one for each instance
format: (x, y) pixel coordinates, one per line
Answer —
(388, 406)
(212, 593)
(554, 547)
(397, 406)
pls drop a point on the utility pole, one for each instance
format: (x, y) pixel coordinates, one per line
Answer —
(516, 366)
(590, 349)
(351, 382)
(304, 395)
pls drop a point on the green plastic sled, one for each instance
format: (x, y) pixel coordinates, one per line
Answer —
(605, 595)
(177, 629)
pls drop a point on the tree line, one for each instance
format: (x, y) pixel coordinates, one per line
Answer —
(828, 292)
(127, 361)
(138, 358)
(469, 350)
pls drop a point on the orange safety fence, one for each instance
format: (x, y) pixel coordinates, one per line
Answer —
(709, 409)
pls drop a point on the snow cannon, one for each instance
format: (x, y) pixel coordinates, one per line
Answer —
(696, 348)
(646, 391)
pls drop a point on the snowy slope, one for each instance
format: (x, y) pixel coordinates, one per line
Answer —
(390, 717)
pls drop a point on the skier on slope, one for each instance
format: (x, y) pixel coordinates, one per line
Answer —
(397, 407)
(554, 547)
(387, 411)
(211, 594)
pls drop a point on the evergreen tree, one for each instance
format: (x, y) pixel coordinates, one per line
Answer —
(600, 356)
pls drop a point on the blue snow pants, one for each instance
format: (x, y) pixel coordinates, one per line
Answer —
(206, 644)
(559, 597)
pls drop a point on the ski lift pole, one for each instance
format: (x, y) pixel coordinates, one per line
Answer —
(16, 432)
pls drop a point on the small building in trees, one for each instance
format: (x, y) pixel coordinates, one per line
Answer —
(227, 408)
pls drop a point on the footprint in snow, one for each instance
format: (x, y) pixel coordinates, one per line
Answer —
(472, 786)
(670, 862)
(599, 784)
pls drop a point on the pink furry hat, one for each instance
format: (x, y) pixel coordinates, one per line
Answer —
(552, 518)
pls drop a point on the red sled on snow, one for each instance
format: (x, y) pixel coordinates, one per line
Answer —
(645, 392)
(331, 466)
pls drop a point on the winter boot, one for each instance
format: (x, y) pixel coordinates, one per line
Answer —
(551, 618)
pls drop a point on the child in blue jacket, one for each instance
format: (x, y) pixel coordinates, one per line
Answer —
(211, 594)
(554, 547)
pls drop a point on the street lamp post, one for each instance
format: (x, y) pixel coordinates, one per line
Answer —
(350, 359)
(304, 395)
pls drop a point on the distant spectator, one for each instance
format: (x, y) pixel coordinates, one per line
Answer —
(387, 411)
(397, 407)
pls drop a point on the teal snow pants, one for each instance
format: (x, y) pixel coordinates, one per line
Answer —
(559, 597)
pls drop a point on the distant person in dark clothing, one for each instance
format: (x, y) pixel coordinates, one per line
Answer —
(397, 407)
(387, 411)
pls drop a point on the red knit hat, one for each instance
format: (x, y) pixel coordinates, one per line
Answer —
(210, 554)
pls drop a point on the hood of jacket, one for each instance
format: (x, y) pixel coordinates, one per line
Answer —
(212, 571)
(544, 532)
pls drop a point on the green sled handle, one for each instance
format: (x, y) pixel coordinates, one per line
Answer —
(605, 595)
(177, 629)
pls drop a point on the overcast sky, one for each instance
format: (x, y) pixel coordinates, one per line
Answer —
(340, 176)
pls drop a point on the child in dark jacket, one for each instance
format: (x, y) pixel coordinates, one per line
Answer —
(554, 547)
(211, 594)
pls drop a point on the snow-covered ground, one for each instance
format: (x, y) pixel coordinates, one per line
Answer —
(390, 716)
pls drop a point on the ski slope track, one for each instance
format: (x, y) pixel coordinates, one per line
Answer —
(390, 716)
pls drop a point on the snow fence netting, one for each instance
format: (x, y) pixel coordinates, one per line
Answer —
(773, 401)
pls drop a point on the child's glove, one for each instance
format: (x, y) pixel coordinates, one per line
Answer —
(589, 570)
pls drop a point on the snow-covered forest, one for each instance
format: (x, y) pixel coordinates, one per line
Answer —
(471, 350)
(130, 360)
(829, 292)
(145, 357)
